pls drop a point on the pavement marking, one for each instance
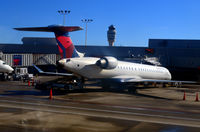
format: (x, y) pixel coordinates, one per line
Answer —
(100, 110)
(111, 106)
(149, 109)
(103, 116)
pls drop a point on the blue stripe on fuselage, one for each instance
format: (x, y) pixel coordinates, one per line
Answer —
(75, 54)
(62, 47)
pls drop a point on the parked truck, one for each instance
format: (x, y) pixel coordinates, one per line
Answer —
(22, 74)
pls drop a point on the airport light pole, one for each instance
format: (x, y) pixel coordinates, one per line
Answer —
(64, 12)
(86, 21)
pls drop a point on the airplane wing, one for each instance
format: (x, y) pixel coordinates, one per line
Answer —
(132, 79)
(52, 73)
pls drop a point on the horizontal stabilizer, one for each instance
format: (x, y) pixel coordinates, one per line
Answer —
(52, 28)
(52, 73)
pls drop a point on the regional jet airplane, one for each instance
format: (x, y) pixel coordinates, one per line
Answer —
(107, 69)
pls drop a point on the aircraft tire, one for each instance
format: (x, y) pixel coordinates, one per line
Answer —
(132, 90)
(105, 87)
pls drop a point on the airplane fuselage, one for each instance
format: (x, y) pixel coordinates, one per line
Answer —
(86, 67)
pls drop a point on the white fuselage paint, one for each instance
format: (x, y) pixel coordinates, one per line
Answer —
(4, 68)
(86, 67)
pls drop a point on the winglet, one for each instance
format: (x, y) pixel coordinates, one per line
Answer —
(38, 69)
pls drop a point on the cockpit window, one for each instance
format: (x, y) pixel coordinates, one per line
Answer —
(67, 60)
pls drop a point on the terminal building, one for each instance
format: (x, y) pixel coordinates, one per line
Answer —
(181, 57)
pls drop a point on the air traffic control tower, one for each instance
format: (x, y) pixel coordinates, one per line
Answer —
(111, 35)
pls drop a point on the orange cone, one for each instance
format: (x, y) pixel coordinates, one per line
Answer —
(197, 96)
(51, 94)
(184, 96)
(29, 83)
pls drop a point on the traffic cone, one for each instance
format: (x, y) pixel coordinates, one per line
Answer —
(184, 96)
(29, 83)
(197, 96)
(33, 82)
(51, 94)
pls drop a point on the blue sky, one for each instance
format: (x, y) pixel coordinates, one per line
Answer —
(135, 20)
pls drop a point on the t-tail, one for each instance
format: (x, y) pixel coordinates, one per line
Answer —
(65, 45)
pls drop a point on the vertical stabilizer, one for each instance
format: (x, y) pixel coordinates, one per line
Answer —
(65, 45)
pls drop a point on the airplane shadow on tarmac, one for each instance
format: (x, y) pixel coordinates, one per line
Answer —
(64, 92)
(36, 92)
(122, 91)
(25, 92)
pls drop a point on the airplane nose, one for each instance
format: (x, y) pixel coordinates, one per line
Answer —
(10, 69)
(62, 62)
(170, 76)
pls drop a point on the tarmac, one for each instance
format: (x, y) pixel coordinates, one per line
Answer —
(24, 108)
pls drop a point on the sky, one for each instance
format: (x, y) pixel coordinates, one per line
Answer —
(135, 21)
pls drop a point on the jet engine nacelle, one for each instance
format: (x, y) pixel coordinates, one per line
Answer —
(107, 63)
